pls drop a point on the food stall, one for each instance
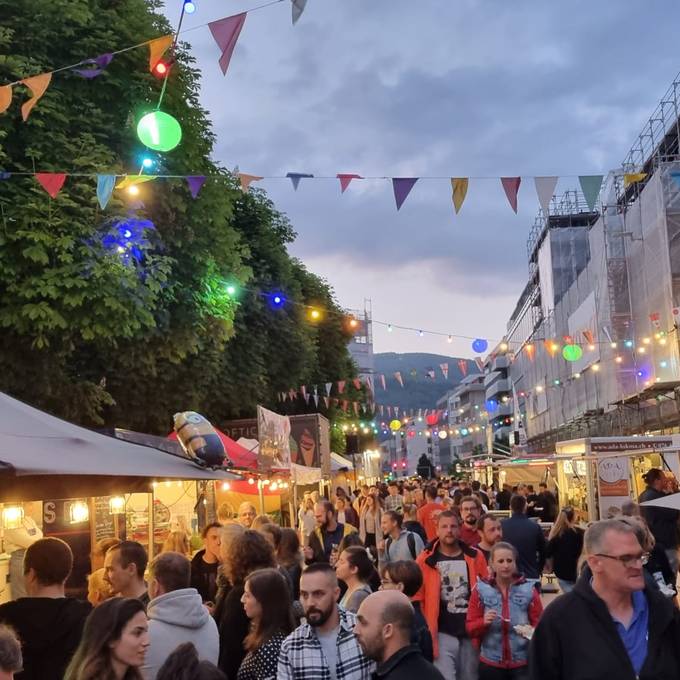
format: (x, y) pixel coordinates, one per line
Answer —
(596, 475)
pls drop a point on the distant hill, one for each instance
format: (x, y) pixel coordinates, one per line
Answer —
(419, 391)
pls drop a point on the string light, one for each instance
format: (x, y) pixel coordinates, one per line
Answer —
(613, 345)
(189, 6)
(618, 360)
(133, 190)
(641, 350)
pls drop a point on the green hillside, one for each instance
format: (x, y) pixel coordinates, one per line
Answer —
(419, 391)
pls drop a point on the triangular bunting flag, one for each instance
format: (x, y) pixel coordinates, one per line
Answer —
(51, 182)
(402, 188)
(430, 373)
(105, 184)
(295, 178)
(345, 181)
(298, 9)
(132, 180)
(283, 396)
(328, 388)
(316, 400)
(356, 408)
(326, 401)
(397, 375)
(195, 183)
(445, 370)
(226, 32)
(37, 85)
(396, 410)
(382, 409)
(588, 335)
(292, 394)
(303, 392)
(511, 187)
(389, 411)
(247, 180)
(382, 380)
(633, 177)
(462, 364)
(545, 188)
(157, 48)
(5, 97)
(357, 383)
(341, 386)
(459, 187)
(590, 186)
(100, 63)
(345, 404)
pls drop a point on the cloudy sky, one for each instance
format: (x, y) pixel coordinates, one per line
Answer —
(435, 88)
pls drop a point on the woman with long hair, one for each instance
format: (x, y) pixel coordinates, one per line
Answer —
(177, 541)
(289, 557)
(565, 544)
(266, 602)
(246, 553)
(184, 664)
(114, 643)
(228, 534)
(369, 521)
(355, 569)
(502, 612)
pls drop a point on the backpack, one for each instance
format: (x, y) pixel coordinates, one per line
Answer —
(410, 540)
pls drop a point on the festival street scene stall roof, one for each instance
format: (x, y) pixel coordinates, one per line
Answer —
(43, 456)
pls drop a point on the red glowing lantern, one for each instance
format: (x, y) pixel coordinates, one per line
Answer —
(432, 419)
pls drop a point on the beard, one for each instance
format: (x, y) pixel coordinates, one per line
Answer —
(374, 648)
(317, 617)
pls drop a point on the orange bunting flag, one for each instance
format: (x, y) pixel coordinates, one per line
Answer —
(247, 180)
(459, 186)
(51, 182)
(157, 48)
(511, 187)
(5, 97)
(37, 85)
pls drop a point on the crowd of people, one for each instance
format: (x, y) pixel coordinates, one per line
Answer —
(409, 579)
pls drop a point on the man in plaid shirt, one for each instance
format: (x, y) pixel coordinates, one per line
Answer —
(325, 647)
(394, 501)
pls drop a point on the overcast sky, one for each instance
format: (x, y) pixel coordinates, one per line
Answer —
(430, 88)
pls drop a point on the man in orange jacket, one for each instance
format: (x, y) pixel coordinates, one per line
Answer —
(450, 571)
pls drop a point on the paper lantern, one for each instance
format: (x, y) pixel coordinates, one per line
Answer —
(443, 434)
(395, 425)
(432, 419)
(479, 346)
(159, 131)
(572, 352)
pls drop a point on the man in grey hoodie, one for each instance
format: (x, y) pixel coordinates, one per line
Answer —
(176, 614)
(399, 544)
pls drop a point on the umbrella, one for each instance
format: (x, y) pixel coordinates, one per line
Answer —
(670, 501)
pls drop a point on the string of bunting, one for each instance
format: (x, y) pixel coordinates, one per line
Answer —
(225, 31)
(53, 182)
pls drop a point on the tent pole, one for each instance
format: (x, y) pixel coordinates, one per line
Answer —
(260, 491)
(151, 526)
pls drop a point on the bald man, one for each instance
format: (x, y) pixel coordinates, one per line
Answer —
(383, 629)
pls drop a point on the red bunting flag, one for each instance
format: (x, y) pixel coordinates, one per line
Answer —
(588, 335)
(655, 318)
(303, 392)
(462, 364)
(226, 32)
(345, 181)
(357, 383)
(345, 404)
(51, 182)
(511, 187)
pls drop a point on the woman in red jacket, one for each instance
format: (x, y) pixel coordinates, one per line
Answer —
(502, 614)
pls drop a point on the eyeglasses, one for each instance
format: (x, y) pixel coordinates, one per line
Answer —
(627, 560)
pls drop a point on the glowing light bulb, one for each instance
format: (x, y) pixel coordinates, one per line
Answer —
(225, 486)
(189, 7)
(613, 345)
(420, 333)
(133, 190)
(591, 348)
(646, 341)
(503, 347)
(251, 481)
(618, 360)
(147, 162)
(596, 367)
(539, 388)
(449, 339)
(389, 328)
(642, 350)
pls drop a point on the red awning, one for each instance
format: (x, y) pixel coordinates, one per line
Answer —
(239, 456)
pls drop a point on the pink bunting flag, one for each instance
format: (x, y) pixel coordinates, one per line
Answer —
(326, 401)
(445, 370)
(246, 180)
(402, 188)
(397, 375)
(341, 386)
(511, 187)
(51, 182)
(345, 180)
(430, 373)
(345, 404)
(303, 392)
(195, 183)
(382, 380)
(226, 32)
(357, 383)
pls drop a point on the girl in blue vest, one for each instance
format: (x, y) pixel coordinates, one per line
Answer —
(502, 613)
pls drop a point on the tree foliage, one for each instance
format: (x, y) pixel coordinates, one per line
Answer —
(103, 339)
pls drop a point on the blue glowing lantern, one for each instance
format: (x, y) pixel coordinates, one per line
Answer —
(127, 239)
(464, 431)
(491, 405)
(479, 346)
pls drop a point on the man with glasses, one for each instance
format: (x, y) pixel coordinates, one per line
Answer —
(613, 625)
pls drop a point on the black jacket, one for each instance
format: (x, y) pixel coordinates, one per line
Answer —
(528, 539)
(576, 639)
(233, 626)
(204, 577)
(49, 629)
(407, 664)
(420, 633)
(416, 528)
(662, 522)
(565, 550)
(503, 500)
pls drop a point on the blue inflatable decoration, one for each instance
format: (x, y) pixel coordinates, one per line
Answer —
(479, 346)
(199, 439)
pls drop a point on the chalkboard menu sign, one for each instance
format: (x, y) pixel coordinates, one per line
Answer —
(104, 521)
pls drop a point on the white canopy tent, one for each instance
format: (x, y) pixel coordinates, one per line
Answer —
(44, 457)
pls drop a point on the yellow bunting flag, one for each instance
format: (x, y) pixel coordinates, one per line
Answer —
(132, 180)
(247, 180)
(157, 48)
(37, 85)
(633, 177)
(5, 97)
(459, 185)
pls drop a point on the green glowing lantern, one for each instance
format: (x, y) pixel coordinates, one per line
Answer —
(572, 352)
(159, 131)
